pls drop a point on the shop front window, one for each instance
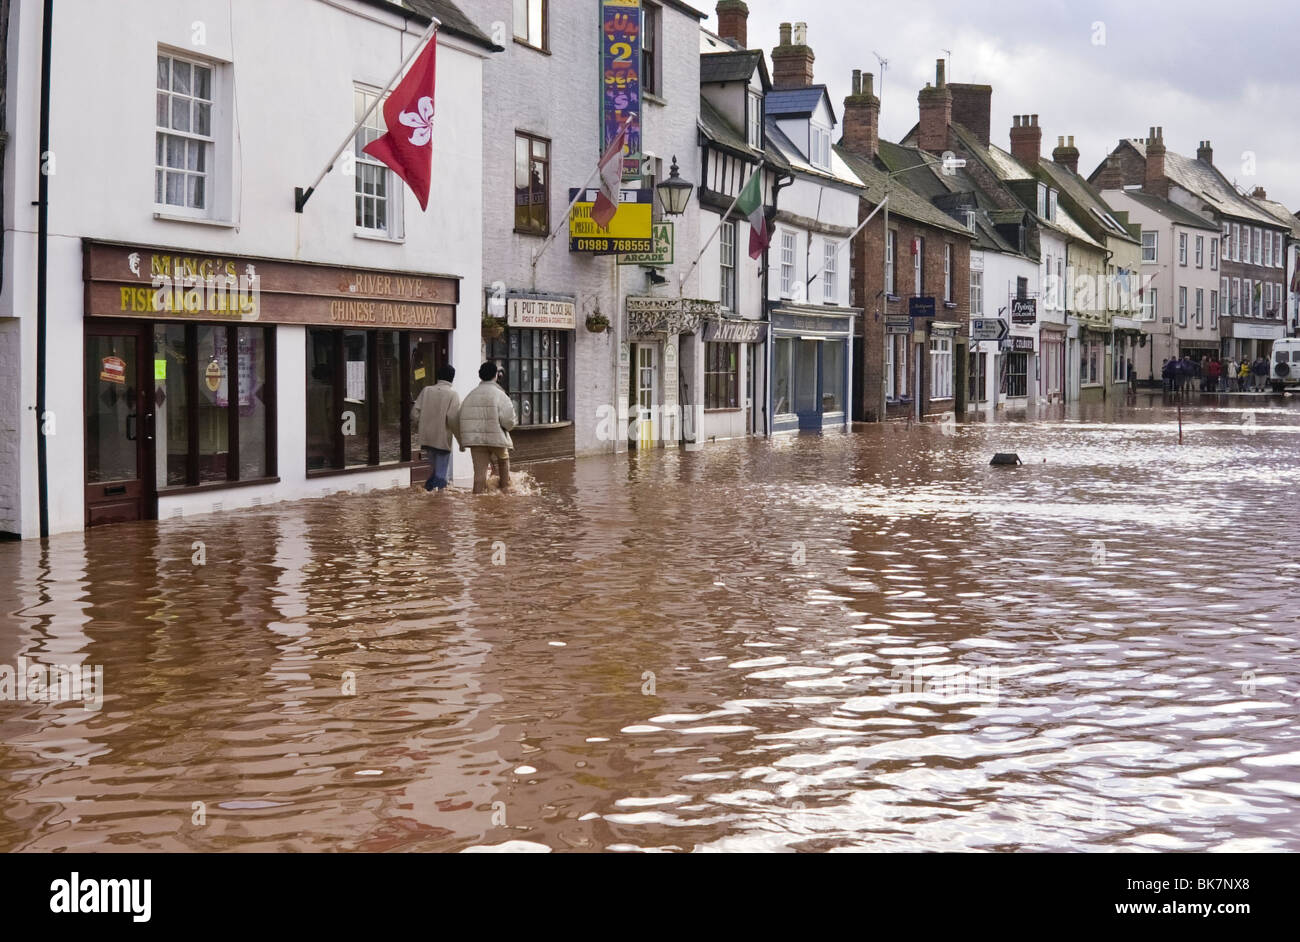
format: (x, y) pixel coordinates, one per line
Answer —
(832, 376)
(721, 375)
(213, 404)
(536, 364)
(783, 351)
(356, 401)
(1015, 369)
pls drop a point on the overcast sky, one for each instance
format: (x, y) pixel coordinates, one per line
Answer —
(1199, 68)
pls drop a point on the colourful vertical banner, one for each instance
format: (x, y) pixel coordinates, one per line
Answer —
(620, 68)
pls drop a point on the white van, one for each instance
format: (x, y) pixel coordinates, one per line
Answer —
(1285, 364)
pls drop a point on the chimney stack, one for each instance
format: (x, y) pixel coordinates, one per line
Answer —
(862, 117)
(733, 22)
(971, 108)
(1154, 181)
(1026, 139)
(1260, 193)
(1205, 153)
(792, 61)
(935, 103)
(1066, 154)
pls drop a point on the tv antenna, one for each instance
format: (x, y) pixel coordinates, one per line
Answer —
(884, 64)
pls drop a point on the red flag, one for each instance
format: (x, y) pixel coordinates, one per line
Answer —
(611, 177)
(407, 146)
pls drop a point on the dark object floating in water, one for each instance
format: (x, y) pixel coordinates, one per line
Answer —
(1006, 457)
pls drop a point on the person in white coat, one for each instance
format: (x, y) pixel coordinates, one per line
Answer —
(486, 417)
(436, 416)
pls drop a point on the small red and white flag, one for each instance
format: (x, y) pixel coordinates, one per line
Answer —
(611, 178)
(407, 146)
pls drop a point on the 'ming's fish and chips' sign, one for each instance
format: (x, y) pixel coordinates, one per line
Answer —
(166, 284)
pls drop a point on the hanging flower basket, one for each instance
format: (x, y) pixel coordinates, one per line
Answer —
(492, 328)
(597, 323)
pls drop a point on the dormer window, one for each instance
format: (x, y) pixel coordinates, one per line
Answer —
(1042, 200)
(1051, 205)
(754, 121)
(970, 219)
(820, 147)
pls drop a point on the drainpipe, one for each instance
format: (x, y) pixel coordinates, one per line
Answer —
(42, 267)
(4, 134)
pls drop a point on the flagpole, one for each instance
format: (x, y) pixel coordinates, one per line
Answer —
(681, 282)
(849, 240)
(301, 196)
(564, 220)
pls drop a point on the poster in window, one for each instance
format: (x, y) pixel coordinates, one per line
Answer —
(620, 63)
(356, 385)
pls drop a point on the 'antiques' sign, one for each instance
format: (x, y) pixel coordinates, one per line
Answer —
(920, 307)
(542, 313)
(169, 284)
(734, 330)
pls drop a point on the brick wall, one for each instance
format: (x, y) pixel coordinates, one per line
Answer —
(869, 269)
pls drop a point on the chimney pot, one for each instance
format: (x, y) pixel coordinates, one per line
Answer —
(857, 81)
(940, 79)
(1026, 139)
(792, 63)
(1071, 140)
(867, 85)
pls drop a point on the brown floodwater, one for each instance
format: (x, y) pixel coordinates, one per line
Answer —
(867, 641)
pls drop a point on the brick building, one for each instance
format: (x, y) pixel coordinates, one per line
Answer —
(910, 250)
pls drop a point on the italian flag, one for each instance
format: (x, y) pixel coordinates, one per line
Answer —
(751, 204)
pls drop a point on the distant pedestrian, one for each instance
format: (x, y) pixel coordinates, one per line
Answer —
(1203, 373)
(1187, 373)
(1260, 370)
(1132, 377)
(1230, 374)
(436, 416)
(1213, 372)
(1169, 374)
(486, 417)
(1243, 375)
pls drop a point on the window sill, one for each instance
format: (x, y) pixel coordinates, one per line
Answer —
(540, 426)
(724, 410)
(212, 486)
(195, 220)
(531, 232)
(527, 45)
(373, 468)
(653, 98)
(377, 237)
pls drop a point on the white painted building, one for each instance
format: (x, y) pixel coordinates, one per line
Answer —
(1180, 298)
(208, 348)
(543, 133)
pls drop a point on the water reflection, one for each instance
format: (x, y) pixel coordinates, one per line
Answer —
(763, 645)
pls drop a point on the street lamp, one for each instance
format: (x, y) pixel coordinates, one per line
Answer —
(675, 193)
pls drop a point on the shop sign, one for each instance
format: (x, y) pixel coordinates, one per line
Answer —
(170, 284)
(1024, 311)
(113, 370)
(920, 307)
(660, 255)
(540, 313)
(734, 330)
(810, 323)
(620, 79)
(630, 230)
(1019, 344)
(898, 324)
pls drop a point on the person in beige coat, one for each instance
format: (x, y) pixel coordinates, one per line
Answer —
(486, 418)
(436, 416)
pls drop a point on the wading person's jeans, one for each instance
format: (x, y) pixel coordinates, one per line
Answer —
(441, 459)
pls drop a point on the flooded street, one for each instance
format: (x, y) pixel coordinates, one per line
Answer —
(870, 641)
